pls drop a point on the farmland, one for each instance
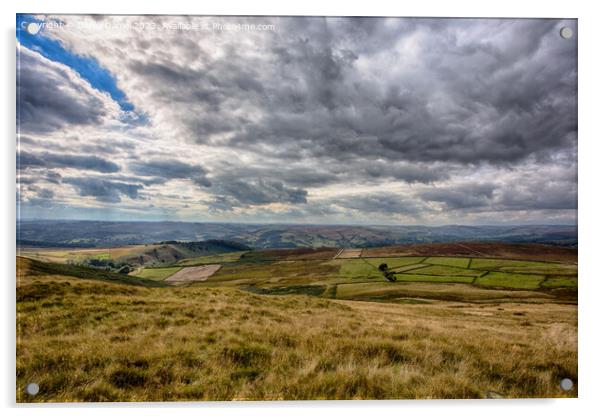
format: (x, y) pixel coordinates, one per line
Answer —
(303, 324)
(531, 279)
(159, 273)
(193, 274)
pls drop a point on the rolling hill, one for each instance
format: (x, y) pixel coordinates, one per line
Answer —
(30, 268)
(111, 234)
(168, 252)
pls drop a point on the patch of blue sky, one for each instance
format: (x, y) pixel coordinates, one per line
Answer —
(87, 67)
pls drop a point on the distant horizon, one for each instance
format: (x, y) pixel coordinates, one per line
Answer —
(302, 224)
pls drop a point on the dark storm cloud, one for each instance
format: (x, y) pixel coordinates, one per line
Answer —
(171, 169)
(40, 202)
(104, 190)
(410, 173)
(199, 96)
(554, 200)
(306, 175)
(461, 197)
(115, 147)
(56, 160)
(144, 180)
(38, 196)
(294, 175)
(540, 194)
(324, 69)
(244, 193)
(53, 177)
(468, 101)
(49, 97)
(474, 92)
(26, 180)
(263, 192)
(382, 203)
(45, 194)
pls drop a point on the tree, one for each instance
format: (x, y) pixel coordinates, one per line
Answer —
(384, 269)
(124, 270)
(390, 276)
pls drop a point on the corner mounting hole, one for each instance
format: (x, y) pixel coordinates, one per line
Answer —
(566, 384)
(32, 389)
(566, 32)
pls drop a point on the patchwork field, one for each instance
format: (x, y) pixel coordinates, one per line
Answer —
(160, 273)
(555, 282)
(300, 324)
(193, 274)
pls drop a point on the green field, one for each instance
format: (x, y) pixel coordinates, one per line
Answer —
(509, 280)
(394, 262)
(491, 264)
(559, 281)
(449, 261)
(357, 268)
(267, 274)
(406, 277)
(361, 277)
(410, 267)
(558, 269)
(448, 271)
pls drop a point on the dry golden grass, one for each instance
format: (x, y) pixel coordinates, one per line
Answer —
(83, 340)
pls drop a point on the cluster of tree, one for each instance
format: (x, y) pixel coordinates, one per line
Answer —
(107, 265)
(209, 245)
(389, 275)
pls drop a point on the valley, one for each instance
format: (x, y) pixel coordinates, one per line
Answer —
(466, 320)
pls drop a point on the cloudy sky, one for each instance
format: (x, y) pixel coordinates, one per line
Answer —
(310, 120)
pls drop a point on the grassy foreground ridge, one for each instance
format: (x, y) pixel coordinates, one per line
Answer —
(300, 324)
